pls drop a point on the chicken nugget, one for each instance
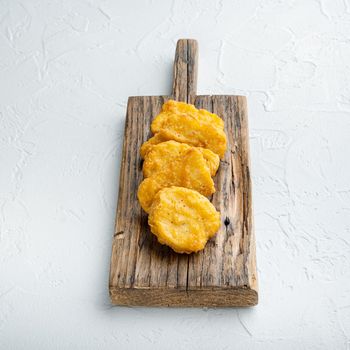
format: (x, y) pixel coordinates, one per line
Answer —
(154, 140)
(172, 107)
(195, 174)
(185, 130)
(184, 123)
(147, 191)
(212, 159)
(172, 154)
(192, 172)
(183, 219)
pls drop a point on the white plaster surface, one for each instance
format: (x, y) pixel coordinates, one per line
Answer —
(66, 71)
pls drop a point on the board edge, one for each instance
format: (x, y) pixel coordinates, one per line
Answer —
(210, 297)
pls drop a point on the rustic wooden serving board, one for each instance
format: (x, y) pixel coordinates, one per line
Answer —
(142, 271)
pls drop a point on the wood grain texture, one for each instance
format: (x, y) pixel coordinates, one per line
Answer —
(185, 71)
(143, 272)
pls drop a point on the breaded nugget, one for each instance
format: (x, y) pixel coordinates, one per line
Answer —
(212, 159)
(191, 172)
(172, 107)
(163, 155)
(147, 146)
(195, 174)
(183, 219)
(172, 154)
(183, 130)
(147, 191)
(184, 123)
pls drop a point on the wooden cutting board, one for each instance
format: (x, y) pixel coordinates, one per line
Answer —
(142, 271)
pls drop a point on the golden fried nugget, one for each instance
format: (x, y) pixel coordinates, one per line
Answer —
(193, 133)
(191, 172)
(163, 155)
(172, 154)
(212, 159)
(195, 174)
(184, 123)
(172, 107)
(147, 146)
(183, 219)
(147, 191)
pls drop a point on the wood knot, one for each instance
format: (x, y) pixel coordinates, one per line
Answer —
(227, 221)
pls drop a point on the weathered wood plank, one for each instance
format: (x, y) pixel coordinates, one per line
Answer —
(143, 272)
(185, 71)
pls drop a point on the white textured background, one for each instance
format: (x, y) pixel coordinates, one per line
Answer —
(66, 70)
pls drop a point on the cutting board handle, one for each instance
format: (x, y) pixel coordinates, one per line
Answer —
(185, 70)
